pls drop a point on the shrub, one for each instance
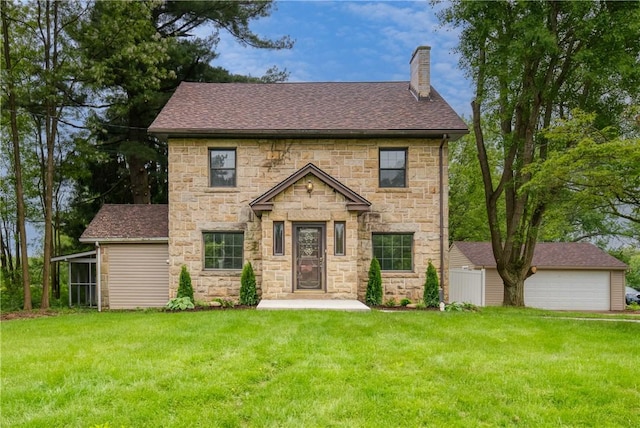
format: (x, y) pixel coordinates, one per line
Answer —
(374, 285)
(404, 302)
(180, 304)
(431, 295)
(390, 303)
(184, 288)
(225, 303)
(461, 307)
(248, 292)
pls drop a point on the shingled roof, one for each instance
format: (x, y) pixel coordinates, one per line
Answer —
(128, 223)
(344, 109)
(548, 255)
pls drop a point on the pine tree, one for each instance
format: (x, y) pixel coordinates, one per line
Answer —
(185, 289)
(374, 285)
(248, 292)
(431, 295)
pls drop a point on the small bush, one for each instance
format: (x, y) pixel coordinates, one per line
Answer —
(185, 289)
(180, 304)
(390, 303)
(405, 302)
(248, 292)
(374, 285)
(431, 295)
(633, 306)
(460, 307)
(225, 303)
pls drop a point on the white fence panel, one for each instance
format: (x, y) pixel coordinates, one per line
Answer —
(467, 286)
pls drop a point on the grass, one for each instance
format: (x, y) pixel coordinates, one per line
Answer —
(499, 367)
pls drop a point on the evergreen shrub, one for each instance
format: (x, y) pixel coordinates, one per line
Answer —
(374, 285)
(185, 289)
(248, 292)
(431, 295)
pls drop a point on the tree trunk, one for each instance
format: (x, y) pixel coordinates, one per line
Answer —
(12, 106)
(139, 180)
(514, 293)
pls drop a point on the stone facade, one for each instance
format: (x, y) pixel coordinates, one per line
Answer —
(195, 208)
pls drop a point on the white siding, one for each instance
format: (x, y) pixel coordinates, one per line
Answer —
(565, 289)
(467, 286)
(138, 275)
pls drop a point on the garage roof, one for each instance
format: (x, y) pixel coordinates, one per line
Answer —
(129, 223)
(548, 255)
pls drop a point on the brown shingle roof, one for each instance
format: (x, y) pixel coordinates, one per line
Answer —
(348, 108)
(128, 223)
(548, 255)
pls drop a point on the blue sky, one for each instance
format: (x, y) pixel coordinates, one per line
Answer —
(367, 41)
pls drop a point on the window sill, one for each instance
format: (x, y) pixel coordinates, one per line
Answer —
(221, 190)
(394, 189)
(399, 274)
(221, 272)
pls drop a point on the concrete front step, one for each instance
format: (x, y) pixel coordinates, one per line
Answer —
(319, 304)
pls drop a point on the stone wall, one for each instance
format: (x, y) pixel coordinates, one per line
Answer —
(194, 208)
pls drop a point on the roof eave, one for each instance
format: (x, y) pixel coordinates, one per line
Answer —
(165, 133)
(120, 240)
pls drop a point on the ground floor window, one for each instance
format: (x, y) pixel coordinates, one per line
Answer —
(394, 251)
(223, 250)
(339, 238)
(278, 238)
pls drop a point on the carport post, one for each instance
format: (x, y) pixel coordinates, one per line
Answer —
(98, 282)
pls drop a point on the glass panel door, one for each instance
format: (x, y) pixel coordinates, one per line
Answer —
(309, 257)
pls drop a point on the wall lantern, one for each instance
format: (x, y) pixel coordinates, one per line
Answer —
(309, 186)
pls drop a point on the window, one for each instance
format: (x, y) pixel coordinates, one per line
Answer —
(278, 238)
(339, 238)
(393, 168)
(223, 250)
(394, 251)
(222, 164)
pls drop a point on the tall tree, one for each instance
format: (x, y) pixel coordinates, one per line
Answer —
(137, 53)
(532, 62)
(12, 107)
(600, 169)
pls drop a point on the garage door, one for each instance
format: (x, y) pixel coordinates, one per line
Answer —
(581, 290)
(138, 275)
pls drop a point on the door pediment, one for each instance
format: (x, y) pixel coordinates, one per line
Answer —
(355, 202)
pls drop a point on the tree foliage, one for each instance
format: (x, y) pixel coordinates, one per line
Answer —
(135, 54)
(599, 170)
(533, 62)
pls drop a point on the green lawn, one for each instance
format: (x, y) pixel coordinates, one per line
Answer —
(499, 367)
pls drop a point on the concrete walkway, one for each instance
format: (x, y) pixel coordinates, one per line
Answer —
(330, 305)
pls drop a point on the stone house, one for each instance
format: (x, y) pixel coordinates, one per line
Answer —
(308, 181)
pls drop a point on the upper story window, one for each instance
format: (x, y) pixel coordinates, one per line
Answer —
(222, 166)
(393, 168)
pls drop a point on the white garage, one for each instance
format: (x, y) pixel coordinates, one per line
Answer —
(565, 289)
(132, 249)
(570, 276)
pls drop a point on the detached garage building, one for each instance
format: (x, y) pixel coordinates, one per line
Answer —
(132, 253)
(570, 276)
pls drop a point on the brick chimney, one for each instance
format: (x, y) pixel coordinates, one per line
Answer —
(420, 72)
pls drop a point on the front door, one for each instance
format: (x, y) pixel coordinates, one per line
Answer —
(309, 256)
